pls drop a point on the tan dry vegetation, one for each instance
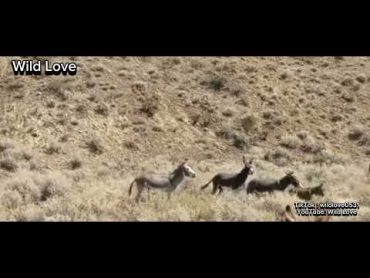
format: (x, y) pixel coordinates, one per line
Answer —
(70, 146)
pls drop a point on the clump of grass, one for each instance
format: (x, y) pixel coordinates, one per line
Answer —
(310, 146)
(360, 135)
(92, 97)
(50, 104)
(356, 133)
(228, 112)
(95, 145)
(58, 88)
(216, 83)
(52, 186)
(249, 123)
(53, 148)
(361, 78)
(149, 107)
(25, 187)
(90, 84)
(31, 188)
(8, 164)
(302, 135)
(23, 154)
(289, 142)
(131, 145)
(279, 157)
(240, 141)
(139, 87)
(348, 81)
(102, 109)
(327, 157)
(64, 138)
(75, 163)
(365, 140)
(348, 97)
(14, 86)
(337, 118)
(81, 109)
(11, 199)
(6, 144)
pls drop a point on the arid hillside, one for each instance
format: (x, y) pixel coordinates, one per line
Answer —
(70, 146)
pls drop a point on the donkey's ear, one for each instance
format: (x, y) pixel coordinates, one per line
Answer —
(251, 161)
(244, 159)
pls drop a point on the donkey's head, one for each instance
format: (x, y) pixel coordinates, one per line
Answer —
(290, 178)
(248, 165)
(187, 170)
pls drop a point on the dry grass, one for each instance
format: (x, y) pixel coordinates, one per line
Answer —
(290, 142)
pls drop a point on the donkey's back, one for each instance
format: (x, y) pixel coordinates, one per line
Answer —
(262, 185)
(154, 180)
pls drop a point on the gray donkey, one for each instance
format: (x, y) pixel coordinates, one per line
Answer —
(162, 182)
(259, 185)
(234, 180)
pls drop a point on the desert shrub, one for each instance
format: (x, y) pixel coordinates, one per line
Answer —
(289, 142)
(149, 108)
(279, 157)
(216, 83)
(6, 144)
(75, 163)
(95, 145)
(365, 140)
(240, 141)
(228, 112)
(131, 145)
(249, 123)
(24, 191)
(58, 88)
(8, 164)
(356, 133)
(52, 185)
(81, 109)
(139, 87)
(53, 148)
(310, 146)
(102, 109)
(360, 135)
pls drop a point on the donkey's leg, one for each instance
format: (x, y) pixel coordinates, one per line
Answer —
(140, 188)
(220, 190)
(215, 187)
(169, 195)
(148, 192)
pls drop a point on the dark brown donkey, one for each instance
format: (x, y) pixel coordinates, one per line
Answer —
(307, 193)
(260, 185)
(234, 180)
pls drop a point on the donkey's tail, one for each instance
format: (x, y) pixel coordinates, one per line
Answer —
(206, 185)
(131, 185)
